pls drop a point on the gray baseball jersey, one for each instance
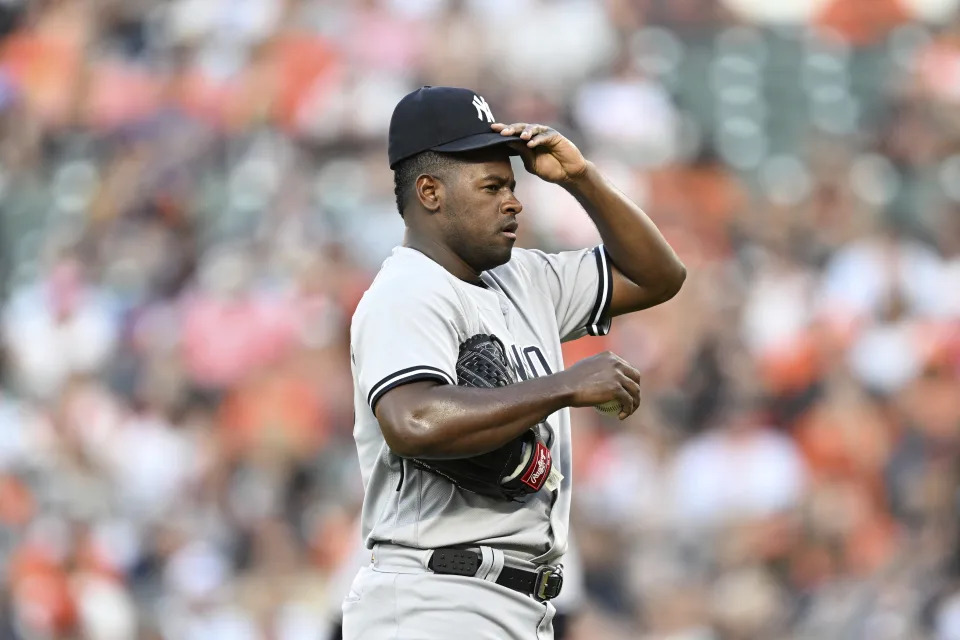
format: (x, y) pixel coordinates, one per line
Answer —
(408, 327)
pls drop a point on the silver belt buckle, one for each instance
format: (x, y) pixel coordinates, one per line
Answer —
(549, 583)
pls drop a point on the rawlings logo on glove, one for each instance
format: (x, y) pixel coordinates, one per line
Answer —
(539, 469)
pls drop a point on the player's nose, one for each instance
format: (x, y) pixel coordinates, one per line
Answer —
(511, 205)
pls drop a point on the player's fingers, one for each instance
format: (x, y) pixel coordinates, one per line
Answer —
(513, 129)
(634, 390)
(541, 138)
(626, 402)
(497, 126)
(531, 130)
(617, 359)
(625, 367)
(630, 372)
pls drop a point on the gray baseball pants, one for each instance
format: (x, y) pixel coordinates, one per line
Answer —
(397, 597)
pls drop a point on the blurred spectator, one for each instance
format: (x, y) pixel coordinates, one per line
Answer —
(741, 472)
(629, 116)
(228, 327)
(57, 327)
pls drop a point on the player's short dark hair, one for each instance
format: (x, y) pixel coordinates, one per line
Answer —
(408, 170)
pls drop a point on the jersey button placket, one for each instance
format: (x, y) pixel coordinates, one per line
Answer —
(505, 307)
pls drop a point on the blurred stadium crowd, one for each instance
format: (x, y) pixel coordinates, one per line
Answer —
(195, 194)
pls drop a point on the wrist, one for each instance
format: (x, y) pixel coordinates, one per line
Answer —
(563, 389)
(575, 184)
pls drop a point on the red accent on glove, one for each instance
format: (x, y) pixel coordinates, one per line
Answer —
(540, 465)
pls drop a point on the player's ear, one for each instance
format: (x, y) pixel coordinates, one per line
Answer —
(429, 192)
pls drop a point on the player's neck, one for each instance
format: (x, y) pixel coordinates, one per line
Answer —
(443, 256)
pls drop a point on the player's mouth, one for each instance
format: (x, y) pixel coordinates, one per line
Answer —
(510, 230)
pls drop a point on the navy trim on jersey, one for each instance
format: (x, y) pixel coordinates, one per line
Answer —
(405, 376)
(598, 322)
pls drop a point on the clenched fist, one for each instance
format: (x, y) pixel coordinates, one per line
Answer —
(603, 378)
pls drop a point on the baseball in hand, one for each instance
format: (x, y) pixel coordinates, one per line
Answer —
(610, 408)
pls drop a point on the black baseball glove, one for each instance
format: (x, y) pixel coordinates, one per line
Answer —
(516, 469)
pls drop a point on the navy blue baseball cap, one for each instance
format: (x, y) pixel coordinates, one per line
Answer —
(445, 119)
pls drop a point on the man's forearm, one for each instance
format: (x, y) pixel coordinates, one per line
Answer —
(446, 421)
(634, 243)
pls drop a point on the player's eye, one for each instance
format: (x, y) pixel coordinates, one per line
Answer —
(492, 188)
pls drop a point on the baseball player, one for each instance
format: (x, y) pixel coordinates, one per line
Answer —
(461, 398)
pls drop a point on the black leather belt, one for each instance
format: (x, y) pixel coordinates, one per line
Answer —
(543, 584)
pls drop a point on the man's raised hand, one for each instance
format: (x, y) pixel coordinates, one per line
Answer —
(545, 152)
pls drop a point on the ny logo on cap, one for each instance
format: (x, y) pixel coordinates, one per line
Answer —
(483, 109)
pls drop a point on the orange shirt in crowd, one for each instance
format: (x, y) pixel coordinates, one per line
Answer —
(863, 22)
(278, 412)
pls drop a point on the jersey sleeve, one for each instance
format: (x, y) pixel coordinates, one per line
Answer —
(402, 337)
(580, 285)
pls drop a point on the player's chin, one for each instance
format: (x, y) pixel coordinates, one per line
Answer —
(499, 256)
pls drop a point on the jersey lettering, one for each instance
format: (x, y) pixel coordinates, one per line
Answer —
(531, 365)
(540, 367)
